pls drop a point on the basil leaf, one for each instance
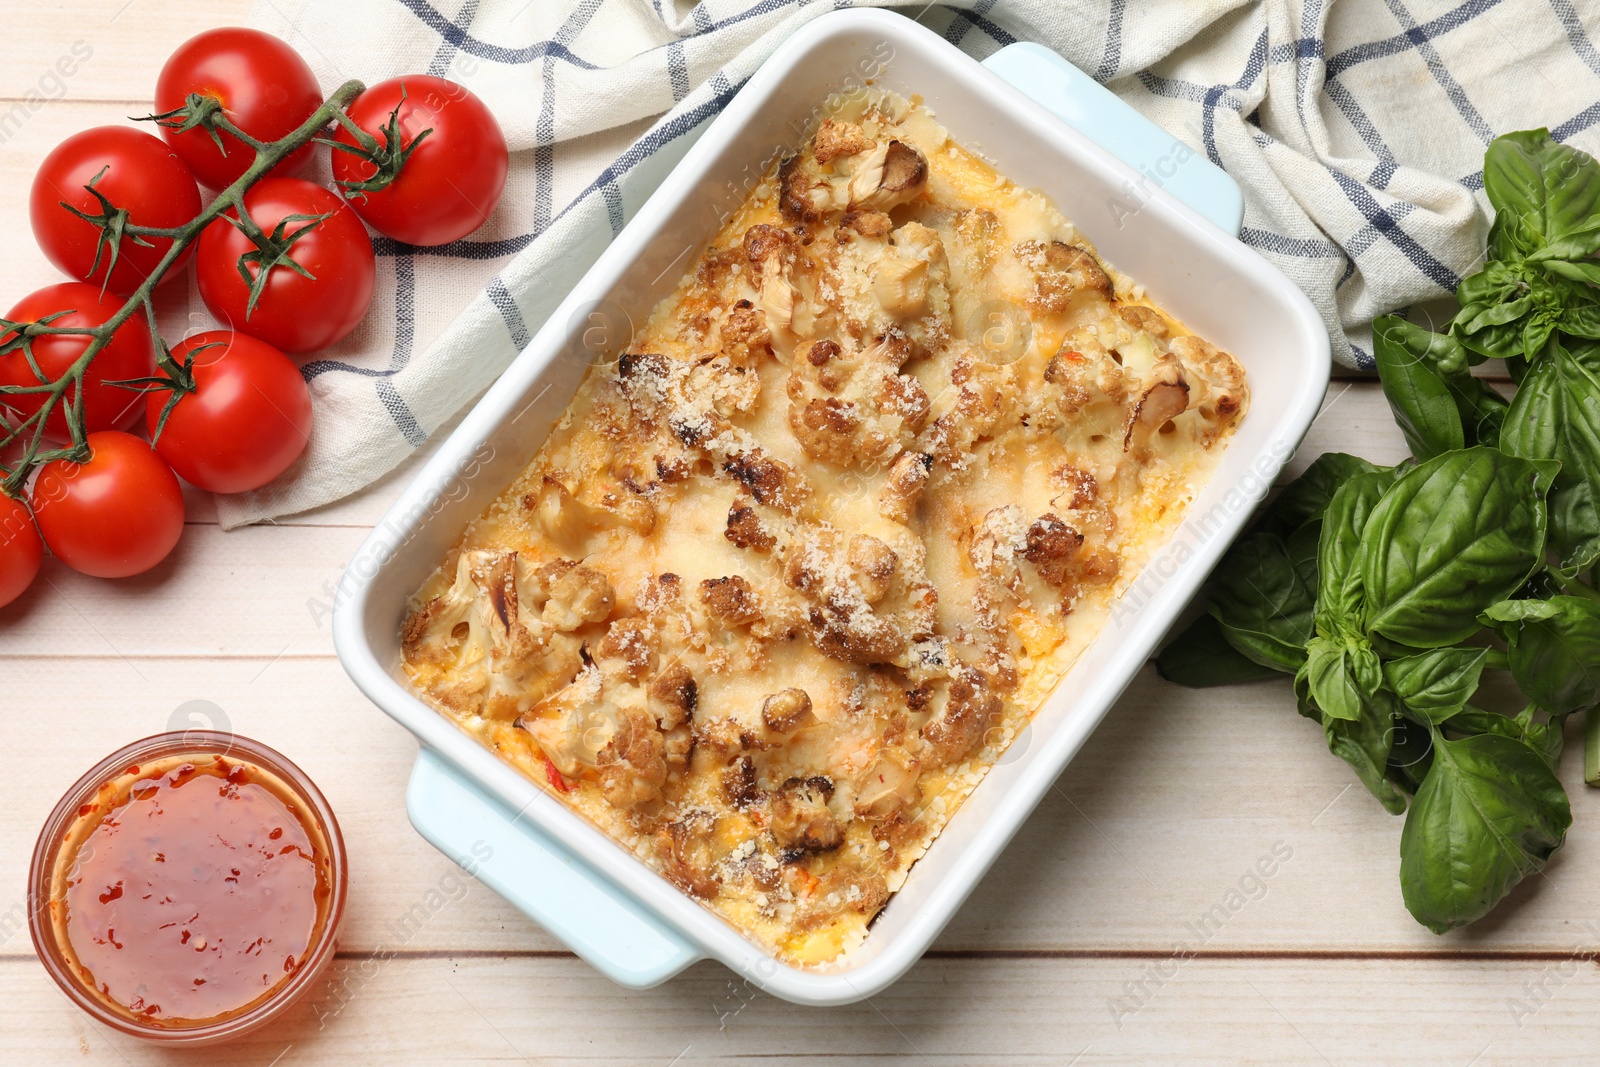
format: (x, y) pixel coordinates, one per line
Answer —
(1578, 272)
(1342, 684)
(1575, 527)
(1471, 721)
(1540, 324)
(1434, 685)
(1496, 341)
(1489, 813)
(1410, 755)
(1483, 409)
(1493, 301)
(1568, 304)
(1366, 745)
(1496, 285)
(1307, 497)
(1201, 657)
(1511, 237)
(1345, 676)
(1339, 596)
(1554, 649)
(1302, 547)
(1304, 705)
(1451, 537)
(1514, 306)
(1552, 189)
(1582, 319)
(1366, 741)
(1263, 606)
(1405, 354)
(1556, 415)
(1421, 401)
(1546, 738)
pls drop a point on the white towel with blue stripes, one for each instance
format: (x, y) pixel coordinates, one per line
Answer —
(1356, 130)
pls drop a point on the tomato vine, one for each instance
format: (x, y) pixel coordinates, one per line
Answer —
(270, 252)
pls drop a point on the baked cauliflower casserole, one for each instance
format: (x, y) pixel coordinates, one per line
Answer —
(797, 565)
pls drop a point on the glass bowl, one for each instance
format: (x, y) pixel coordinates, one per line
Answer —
(78, 813)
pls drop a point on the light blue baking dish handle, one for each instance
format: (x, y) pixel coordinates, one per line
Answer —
(577, 905)
(1099, 114)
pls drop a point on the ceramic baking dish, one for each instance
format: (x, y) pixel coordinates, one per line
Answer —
(1155, 210)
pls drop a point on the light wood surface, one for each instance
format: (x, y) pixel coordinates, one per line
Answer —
(1063, 955)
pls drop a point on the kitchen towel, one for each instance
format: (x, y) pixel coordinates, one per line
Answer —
(1356, 129)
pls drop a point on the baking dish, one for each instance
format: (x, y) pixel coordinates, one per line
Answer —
(1155, 210)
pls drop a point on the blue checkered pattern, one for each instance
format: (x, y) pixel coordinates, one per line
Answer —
(1356, 130)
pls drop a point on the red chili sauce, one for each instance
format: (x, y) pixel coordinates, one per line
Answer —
(196, 894)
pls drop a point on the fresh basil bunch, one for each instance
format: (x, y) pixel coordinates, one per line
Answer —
(1388, 593)
(1539, 277)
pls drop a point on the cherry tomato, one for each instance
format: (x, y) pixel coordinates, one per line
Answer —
(265, 88)
(248, 419)
(295, 313)
(20, 549)
(452, 181)
(117, 514)
(141, 176)
(129, 355)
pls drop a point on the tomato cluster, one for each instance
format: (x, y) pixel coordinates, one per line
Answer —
(226, 410)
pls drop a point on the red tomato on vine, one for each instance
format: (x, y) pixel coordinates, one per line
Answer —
(315, 298)
(130, 354)
(134, 173)
(246, 420)
(20, 549)
(454, 160)
(263, 85)
(115, 515)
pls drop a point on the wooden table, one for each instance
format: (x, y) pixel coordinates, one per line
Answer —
(1065, 954)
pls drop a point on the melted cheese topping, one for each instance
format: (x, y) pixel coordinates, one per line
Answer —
(797, 566)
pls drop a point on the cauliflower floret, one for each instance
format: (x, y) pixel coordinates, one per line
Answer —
(587, 734)
(688, 859)
(1219, 384)
(835, 139)
(801, 821)
(891, 174)
(805, 194)
(787, 710)
(731, 600)
(572, 725)
(1051, 545)
(1082, 372)
(1165, 397)
(772, 252)
(874, 565)
(746, 529)
(908, 270)
(835, 431)
(633, 766)
(903, 486)
(574, 594)
(1145, 320)
(570, 523)
(970, 711)
(889, 785)
(1062, 271)
(484, 629)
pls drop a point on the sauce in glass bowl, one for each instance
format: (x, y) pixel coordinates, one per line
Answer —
(189, 887)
